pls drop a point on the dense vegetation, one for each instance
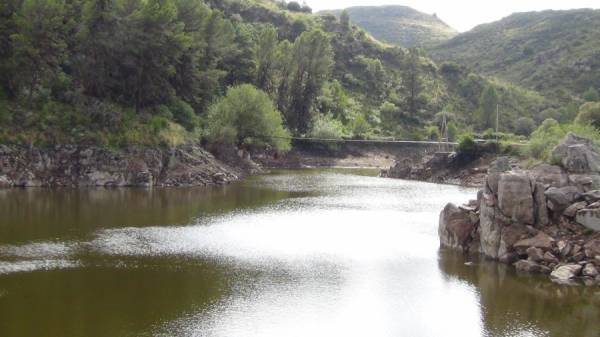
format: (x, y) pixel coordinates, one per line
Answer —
(245, 72)
(400, 25)
(556, 53)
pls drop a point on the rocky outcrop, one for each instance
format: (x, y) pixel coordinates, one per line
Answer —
(72, 166)
(546, 220)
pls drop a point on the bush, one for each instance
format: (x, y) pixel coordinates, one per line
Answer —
(360, 127)
(589, 114)
(467, 145)
(294, 6)
(525, 126)
(184, 114)
(327, 127)
(247, 116)
(550, 133)
(591, 95)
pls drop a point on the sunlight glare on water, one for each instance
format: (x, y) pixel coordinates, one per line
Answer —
(294, 253)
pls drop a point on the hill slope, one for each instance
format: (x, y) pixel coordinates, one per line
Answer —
(554, 52)
(400, 25)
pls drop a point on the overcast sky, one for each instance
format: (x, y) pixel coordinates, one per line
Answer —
(463, 14)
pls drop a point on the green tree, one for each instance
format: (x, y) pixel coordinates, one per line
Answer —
(591, 95)
(265, 55)
(8, 27)
(312, 58)
(589, 114)
(345, 21)
(39, 46)
(524, 126)
(246, 115)
(488, 104)
(98, 48)
(412, 83)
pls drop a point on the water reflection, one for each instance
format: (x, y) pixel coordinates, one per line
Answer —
(295, 253)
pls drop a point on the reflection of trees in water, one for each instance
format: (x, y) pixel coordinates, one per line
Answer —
(513, 302)
(47, 213)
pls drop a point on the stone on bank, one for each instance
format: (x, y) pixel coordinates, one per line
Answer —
(545, 220)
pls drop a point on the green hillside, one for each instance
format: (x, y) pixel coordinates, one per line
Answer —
(119, 72)
(400, 25)
(554, 52)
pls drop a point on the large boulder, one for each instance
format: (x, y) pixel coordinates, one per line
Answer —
(515, 197)
(561, 198)
(490, 228)
(589, 218)
(541, 240)
(549, 175)
(455, 227)
(496, 169)
(577, 154)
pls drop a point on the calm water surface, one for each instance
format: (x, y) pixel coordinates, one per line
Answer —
(294, 253)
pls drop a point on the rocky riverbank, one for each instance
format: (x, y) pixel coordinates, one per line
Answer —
(442, 168)
(75, 166)
(545, 220)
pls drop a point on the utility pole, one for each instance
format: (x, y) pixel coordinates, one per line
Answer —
(497, 120)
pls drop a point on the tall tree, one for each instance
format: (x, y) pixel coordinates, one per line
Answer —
(412, 82)
(265, 53)
(488, 104)
(312, 59)
(39, 46)
(153, 46)
(8, 27)
(345, 21)
(98, 47)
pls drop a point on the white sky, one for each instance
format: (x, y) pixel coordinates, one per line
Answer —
(463, 14)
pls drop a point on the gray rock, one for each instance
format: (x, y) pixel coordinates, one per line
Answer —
(590, 270)
(572, 210)
(565, 273)
(535, 254)
(577, 154)
(541, 240)
(530, 267)
(497, 167)
(551, 175)
(515, 197)
(589, 218)
(592, 249)
(455, 227)
(585, 182)
(490, 227)
(541, 209)
(5, 182)
(591, 196)
(561, 198)
(550, 258)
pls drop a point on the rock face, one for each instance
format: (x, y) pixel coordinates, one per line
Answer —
(545, 220)
(72, 166)
(577, 155)
(515, 197)
(590, 218)
(456, 226)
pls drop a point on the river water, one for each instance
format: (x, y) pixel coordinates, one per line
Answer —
(292, 253)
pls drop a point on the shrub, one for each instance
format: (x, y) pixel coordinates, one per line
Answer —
(294, 6)
(327, 127)
(589, 113)
(467, 145)
(591, 95)
(184, 114)
(360, 127)
(247, 116)
(550, 133)
(524, 126)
